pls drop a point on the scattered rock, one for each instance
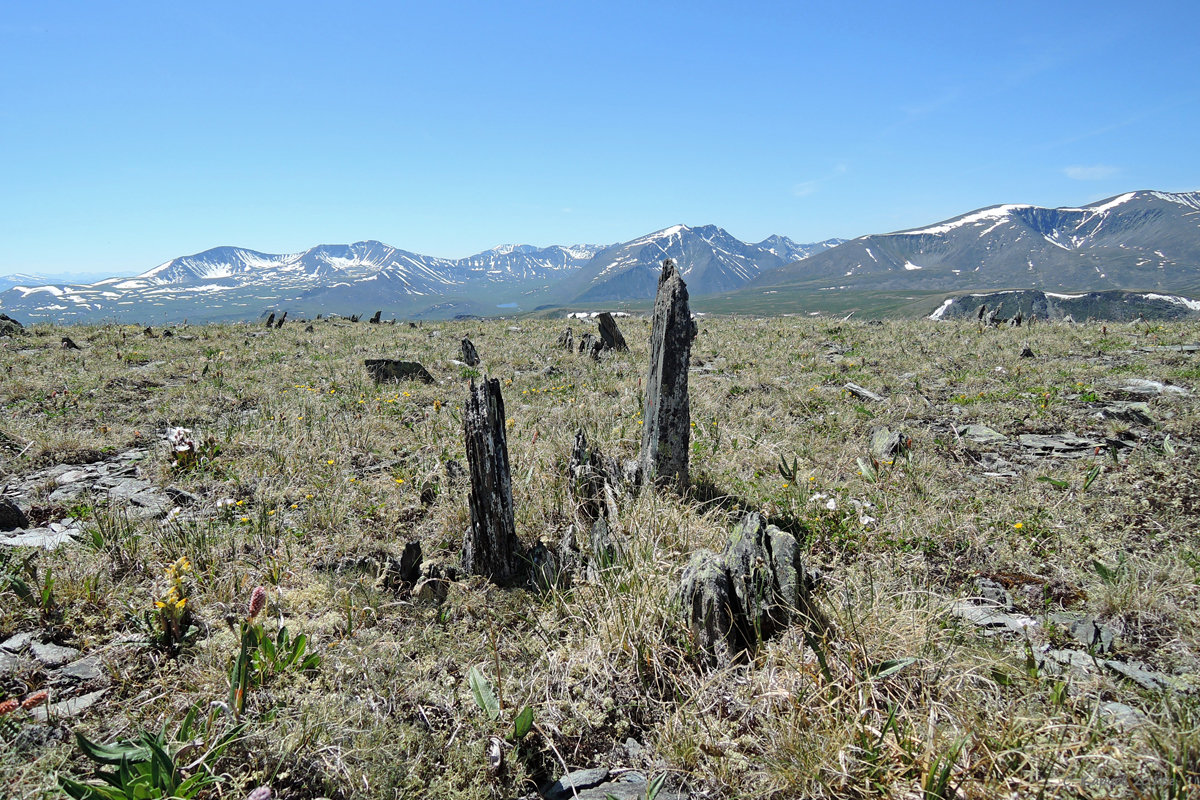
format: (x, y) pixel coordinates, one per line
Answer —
(566, 340)
(270, 321)
(610, 334)
(1147, 679)
(1123, 715)
(887, 444)
(81, 671)
(65, 709)
(666, 432)
(279, 322)
(383, 370)
(11, 516)
(490, 547)
(980, 434)
(569, 785)
(590, 345)
(1147, 388)
(1026, 350)
(1062, 444)
(52, 655)
(863, 394)
(1135, 413)
(309, 328)
(375, 319)
(469, 353)
(45, 538)
(755, 589)
(69, 344)
(987, 616)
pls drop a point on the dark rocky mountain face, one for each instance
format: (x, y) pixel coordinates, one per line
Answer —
(1138, 240)
(1115, 305)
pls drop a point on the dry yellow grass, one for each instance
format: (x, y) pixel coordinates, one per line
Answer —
(324, 467)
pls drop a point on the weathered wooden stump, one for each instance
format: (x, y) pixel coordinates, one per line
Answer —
(469, 354)
(610, 334)
(490, 547)
(666, 432)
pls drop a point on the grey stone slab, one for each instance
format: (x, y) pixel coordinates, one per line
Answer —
(71, 707)
(1149, 388)
(52, 655)
(81, 671)
(1147, 679)
(992, 617)
(1122, 715)
(1059, 444)
(17, 642)
(11, 663)
(980, 434)
(39, 537)
(863, 393)
(568, 785)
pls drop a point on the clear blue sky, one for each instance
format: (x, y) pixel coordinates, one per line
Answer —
(131, 133)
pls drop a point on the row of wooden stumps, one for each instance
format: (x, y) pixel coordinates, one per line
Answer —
(753, 589)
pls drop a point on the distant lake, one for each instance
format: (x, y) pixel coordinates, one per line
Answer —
(506, 305)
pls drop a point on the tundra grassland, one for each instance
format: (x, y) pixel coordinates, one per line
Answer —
(308, 476)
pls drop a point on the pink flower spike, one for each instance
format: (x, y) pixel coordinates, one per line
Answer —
(258, 601)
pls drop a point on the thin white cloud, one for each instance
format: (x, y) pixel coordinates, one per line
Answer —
(1095, 172)
(805, 188)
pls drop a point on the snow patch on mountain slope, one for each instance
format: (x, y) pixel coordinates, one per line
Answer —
(1194, 305)
(976, 218)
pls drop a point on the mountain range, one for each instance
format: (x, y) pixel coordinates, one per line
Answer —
(236, 283)
(1143, 240)
(1146, 240)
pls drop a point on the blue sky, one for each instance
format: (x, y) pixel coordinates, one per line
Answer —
(135, 132)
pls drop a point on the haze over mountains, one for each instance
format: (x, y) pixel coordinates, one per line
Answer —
(1142, 240)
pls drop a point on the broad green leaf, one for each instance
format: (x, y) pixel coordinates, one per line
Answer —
(485, 698)
(522, 724)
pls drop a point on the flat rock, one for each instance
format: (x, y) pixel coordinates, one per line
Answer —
(17, 642)
(11, 663)
(1147, 388)
(1059, 444)
(81, 671)
(1171, 348)
(980, 434)
(52, 655)
(863, 393)
(1122, 715)
(992, 617)
(1147, 679)
(72, 707)
(1126, 411)
(40, 537)
(573, 782)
